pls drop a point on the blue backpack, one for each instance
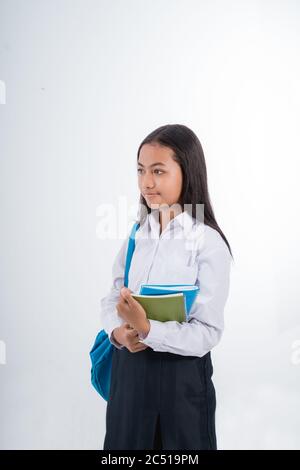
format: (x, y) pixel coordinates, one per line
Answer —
(102, 350)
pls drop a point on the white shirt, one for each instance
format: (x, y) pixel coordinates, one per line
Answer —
(186, 252)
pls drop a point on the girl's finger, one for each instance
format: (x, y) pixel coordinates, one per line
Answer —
(133, 333)
(139, 348)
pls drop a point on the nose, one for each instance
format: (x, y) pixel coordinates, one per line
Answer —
(147, 182)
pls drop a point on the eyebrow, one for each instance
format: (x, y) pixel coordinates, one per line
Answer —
(153, 164)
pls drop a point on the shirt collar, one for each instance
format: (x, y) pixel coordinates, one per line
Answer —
(183, 219)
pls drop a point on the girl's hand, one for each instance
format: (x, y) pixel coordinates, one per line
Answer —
(127, 336)
(132, 312)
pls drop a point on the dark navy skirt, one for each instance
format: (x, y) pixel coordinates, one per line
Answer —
(160, 400)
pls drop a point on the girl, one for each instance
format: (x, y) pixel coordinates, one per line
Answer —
(161, 394)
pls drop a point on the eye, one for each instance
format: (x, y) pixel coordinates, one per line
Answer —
(141, 169)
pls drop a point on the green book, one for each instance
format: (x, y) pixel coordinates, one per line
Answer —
(166, 307)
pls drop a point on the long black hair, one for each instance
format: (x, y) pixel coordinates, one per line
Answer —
(188, 153)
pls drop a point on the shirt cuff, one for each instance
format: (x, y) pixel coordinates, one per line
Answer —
(156, 334)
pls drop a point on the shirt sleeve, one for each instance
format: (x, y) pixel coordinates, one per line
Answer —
(205, 324)
(109, 316)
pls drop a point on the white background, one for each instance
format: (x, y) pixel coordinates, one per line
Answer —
(86, 81)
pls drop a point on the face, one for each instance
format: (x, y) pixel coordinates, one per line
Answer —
(158, 173)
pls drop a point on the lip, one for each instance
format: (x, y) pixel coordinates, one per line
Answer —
(151, 194)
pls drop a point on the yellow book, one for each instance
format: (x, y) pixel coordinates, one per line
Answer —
(163, 307)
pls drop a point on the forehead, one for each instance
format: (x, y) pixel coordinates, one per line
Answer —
(154, 153)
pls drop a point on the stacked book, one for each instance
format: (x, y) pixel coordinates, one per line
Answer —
(167, 302)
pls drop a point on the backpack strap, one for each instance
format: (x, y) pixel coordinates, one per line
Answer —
(130, 250)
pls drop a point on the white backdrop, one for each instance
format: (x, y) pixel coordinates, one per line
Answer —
(82, 83)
